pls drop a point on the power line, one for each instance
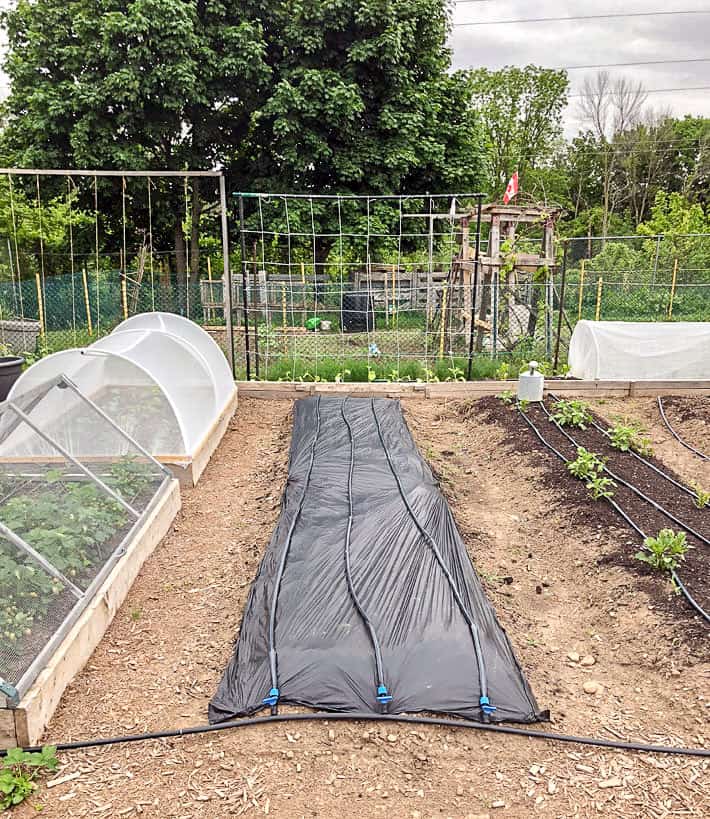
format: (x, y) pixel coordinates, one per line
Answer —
(660, 90)
(640, 62)
(580, 17)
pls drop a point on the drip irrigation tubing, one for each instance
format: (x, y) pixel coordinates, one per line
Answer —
(406, 719)
(640, 458)
(383, 695)
(630, 486)
(273, 697)
(675, 434)
(674, 575)
(486, 707)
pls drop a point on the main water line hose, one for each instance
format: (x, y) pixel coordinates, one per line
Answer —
(405, 719)
(486, 708)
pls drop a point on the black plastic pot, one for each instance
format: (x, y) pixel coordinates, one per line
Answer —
(10, 369)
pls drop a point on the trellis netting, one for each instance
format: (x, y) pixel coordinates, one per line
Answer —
(73, 487)
(160, 377)
(622, 350)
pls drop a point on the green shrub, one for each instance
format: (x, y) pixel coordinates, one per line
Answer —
(572, 414)
(665, 551)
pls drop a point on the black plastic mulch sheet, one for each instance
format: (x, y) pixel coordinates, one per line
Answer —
(404, 571)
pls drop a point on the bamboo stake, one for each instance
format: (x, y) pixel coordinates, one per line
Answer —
(581, 290)
(40, 305)
(303, 287)
(124, 289)
(87, 303)
(394, 292)
(673, 284)
(598, 310)
(442, 329)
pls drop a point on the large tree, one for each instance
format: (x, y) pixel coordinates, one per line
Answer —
(521, 110)
(362, 101)
(149, 84)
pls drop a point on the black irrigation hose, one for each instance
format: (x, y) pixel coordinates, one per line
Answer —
(273, 697)
(630, 486)
(484, 701)
(383, 695)
(406, 719)
(639, 457)
(674, 576)
(676, 436)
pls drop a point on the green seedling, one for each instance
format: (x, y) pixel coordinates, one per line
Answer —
(19, 771)
(586, 465)
(630, 437)
(665, 551)
(600, 487)
(507, 396)
(572, 414)
(702, 498)
(523, 404)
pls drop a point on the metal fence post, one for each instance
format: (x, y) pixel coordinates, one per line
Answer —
(245, 294)
(226, 274)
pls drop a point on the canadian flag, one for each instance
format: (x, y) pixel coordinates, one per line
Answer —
(512, 188)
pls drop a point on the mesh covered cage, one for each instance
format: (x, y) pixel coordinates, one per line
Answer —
(67, 508)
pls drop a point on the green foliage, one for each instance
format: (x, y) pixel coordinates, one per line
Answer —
(665, 551)
(600, 487)
(586, 465)
(630, 436)
(67, 523)
(702, 498)
(572, 414)
(521, 110)
(19, 772)
(130, 477)
(507, 396)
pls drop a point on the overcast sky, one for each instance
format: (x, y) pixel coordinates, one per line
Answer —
(587, 42)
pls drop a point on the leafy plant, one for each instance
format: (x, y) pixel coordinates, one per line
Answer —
(630, 436)
(702, 498)
(455, 374)
(502, 373)
(129, 476)
(572, 414)
(586, 464)
(19, 772)
(665, 551)
(600, 487)
(523, 404)
(507, 396)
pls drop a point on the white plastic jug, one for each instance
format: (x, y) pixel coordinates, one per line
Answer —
(531, 384)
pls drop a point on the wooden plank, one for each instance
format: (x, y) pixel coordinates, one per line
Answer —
(8, 738)
(211, 440)
(40, 702)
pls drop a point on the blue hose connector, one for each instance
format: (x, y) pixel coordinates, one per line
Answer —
(272, 698)
(486, 706)
(383, 695)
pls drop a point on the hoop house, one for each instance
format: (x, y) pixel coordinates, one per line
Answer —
(171, 391)
(70, 515)
(655, 350)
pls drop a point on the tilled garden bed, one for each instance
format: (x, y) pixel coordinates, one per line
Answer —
(695, 569)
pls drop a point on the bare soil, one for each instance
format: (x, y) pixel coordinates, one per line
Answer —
(543, 564)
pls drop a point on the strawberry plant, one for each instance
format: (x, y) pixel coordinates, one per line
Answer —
(572, 414)
(665, 551)
(19, 771)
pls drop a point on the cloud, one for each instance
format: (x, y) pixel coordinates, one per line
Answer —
(592, 42)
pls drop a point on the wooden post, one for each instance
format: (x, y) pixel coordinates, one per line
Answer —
(581, 290)
(442, 328)
(673, 284)
(387, 303)
(598, 310)
(210, 310)
(283, 306)
(394, 290)
(40, 305)
(87, 303)
(124, 296)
